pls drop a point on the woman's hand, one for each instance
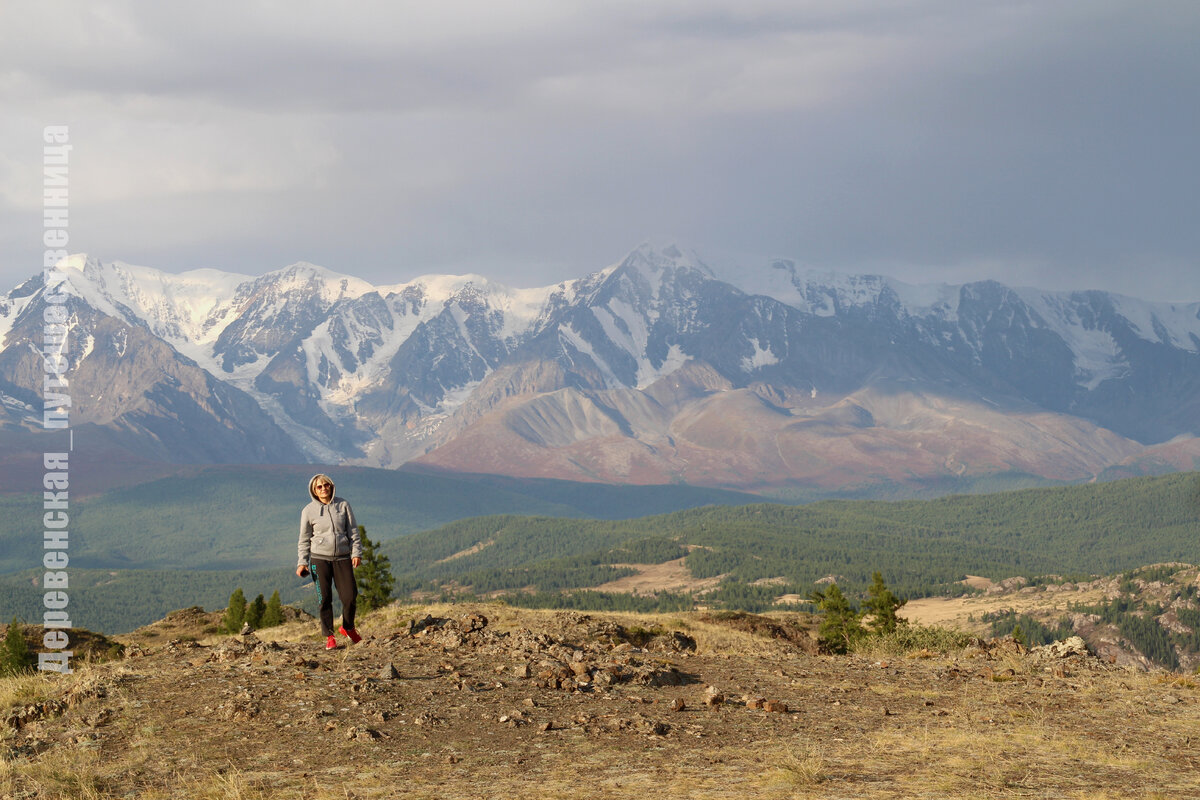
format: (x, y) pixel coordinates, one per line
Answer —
(301, 571)
(354, 562)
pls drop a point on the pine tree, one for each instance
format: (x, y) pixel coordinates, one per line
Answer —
(255, 612)
(374, 576)
(235, 614)
(273, 615)
(16, 657)
(840, 626)
(881, 605)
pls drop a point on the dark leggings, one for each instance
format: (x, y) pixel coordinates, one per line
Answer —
(341, 573)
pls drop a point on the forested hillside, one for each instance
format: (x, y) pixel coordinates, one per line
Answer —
(758, 551)
(921, 547)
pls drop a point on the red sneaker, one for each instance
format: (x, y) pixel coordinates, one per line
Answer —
(351, 634)
(331, 643)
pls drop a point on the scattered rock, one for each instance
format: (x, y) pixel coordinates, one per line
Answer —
(713, 698)
(473, 622)
(357, 734)
(1074, 646)
(18, 718)
(765, 626)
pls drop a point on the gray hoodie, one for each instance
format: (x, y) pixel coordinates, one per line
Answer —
(328, 531)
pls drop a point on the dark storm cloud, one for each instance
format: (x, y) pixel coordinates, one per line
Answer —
(1045, 144)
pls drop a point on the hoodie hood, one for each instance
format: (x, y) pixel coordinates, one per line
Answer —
(313, 492)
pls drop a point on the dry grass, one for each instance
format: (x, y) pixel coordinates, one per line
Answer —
(71, 775)
(857, 726)
(18, 690)
(669, 576)
(1013, 756)
(798, 766)
(966, 613)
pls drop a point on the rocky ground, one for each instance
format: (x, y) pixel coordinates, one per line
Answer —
(487, 701)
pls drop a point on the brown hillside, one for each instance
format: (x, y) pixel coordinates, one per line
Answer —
(486, 701)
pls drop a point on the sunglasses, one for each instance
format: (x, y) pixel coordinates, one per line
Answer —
(323, 486)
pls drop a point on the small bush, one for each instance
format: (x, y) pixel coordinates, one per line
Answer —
(640, 637)
(15, 655)
(914, 638)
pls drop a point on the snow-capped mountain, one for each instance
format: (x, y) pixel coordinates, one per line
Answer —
(654, 369)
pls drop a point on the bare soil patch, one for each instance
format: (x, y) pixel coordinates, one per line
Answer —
(470, 551)
(967, 613)
(978, 582)
(670, 576)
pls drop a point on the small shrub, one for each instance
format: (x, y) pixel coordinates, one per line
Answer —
(910, 638)
(235, 614)
(841, 626)
(15, 656)
(640, 637)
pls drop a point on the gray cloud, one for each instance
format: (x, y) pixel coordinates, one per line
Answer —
(1044, 144)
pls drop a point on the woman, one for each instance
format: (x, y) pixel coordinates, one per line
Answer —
(331, 548)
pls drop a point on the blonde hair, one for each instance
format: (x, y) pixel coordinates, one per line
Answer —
(312, 483)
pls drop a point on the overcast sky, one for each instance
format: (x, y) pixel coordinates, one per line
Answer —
(1049, 143)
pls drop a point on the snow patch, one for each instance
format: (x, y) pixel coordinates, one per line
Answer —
(823, 292)
(303, 435)
(20, 406)
(332, 286)
(1172, 324)
(179, 308)
(648, 373)
(761, 357)
(938, 300)
(521, 308)
(11, 309)
(453, 398)
(569, 336)
(624, 326)
(1098, 357)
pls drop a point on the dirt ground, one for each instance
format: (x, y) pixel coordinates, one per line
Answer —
(490, 702)
(670, 576)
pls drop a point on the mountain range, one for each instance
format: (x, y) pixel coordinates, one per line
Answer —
(658, 369)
